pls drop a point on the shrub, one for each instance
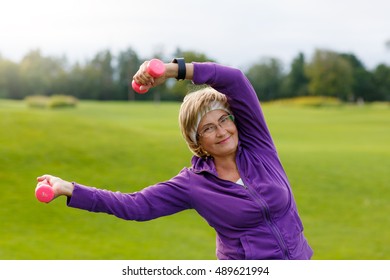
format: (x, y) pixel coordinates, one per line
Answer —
(54, 101)
(58, 101)
(315, 101)
(37, 101)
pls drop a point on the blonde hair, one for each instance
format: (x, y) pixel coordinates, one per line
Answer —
(195, 105)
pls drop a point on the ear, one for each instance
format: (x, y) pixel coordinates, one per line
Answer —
(203, 151)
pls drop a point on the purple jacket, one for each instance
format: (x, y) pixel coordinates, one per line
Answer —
(258, 221)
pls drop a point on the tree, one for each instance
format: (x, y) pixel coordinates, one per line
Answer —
(381, 76)
(9, 80)
(296, 82)
(95, 79)
(38, 73)
(266, 78)
(180, 89)
(101, 66)
(362, 85)
(330, 75)
(127, 65)
(78, 84)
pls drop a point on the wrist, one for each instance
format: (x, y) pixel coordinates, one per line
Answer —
(68, 188)
(171, 70)
(181, 70)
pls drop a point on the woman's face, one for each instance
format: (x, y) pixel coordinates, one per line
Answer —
(217, 134)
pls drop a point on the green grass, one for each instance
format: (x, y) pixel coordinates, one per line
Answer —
(337, 159)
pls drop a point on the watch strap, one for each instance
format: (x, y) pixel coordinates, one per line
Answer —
(181, 74)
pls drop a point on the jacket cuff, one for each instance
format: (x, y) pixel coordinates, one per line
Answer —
(83, 197)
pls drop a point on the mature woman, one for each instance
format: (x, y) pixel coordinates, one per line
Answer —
(236, 181)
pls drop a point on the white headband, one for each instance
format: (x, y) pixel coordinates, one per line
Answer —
(215, 105)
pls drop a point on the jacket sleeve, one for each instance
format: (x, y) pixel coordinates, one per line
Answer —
(242, 99)
(155, 201)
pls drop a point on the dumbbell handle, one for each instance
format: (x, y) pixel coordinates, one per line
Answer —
(155, 68)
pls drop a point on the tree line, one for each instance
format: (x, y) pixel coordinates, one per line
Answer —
(107, 77)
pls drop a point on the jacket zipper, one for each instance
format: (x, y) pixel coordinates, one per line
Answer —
(265, 209)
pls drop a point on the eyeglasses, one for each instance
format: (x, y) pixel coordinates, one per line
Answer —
(208, 130)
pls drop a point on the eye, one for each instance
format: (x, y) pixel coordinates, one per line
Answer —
(224, 119)
(207, 129)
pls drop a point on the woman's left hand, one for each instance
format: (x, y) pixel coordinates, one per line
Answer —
(143, 78)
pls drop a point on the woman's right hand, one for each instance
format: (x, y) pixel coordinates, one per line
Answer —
(60, 187)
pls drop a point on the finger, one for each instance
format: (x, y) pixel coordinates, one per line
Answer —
(142, 87)
(48, 178)
(42, 178)
(141, 71)
(142, 77)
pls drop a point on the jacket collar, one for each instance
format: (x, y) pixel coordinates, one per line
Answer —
(200, 165)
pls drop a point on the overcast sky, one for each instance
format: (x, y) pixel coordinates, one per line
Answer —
(233, 32)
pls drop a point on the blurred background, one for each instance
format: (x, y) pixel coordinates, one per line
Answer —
(89, 49)
(321, 69)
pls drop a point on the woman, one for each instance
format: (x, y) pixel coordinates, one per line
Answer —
(236, 181)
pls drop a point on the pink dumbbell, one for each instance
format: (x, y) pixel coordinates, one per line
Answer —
(155, 68)
(44, 192)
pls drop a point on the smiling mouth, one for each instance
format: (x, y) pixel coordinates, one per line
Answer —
(224, 140)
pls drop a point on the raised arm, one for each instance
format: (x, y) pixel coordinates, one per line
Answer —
(242, 98)
(243, 101)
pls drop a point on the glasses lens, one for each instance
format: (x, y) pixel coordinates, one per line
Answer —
(223, 122)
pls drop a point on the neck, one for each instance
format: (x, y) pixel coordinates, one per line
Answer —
(227, 168)
(225, 162)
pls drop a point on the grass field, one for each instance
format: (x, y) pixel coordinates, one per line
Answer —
(337, 159)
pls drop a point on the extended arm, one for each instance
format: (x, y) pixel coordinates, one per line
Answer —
(161, 199)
